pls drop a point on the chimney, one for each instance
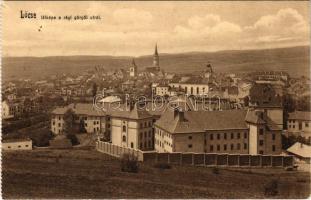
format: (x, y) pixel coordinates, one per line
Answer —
(180, 114)
(132, 105)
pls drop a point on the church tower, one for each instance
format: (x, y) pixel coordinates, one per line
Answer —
(156, 58)
(133, 69)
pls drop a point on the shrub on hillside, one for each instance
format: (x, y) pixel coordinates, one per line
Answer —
(162, 166)
(129, 163)
(73, 138)
(41, 137)
(215, 170)
(271, 188)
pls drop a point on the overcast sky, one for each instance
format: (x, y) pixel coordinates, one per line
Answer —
(133, 28)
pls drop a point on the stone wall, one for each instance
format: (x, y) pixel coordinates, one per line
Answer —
(202, 159)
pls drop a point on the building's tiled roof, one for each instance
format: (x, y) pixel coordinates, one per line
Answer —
(300, 115)
(300, 149)
(253, 117)
(134, 113)
(200, 121)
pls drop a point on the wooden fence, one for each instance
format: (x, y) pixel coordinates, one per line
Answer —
(203, 159)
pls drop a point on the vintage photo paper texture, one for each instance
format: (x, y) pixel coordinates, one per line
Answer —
(155, 99)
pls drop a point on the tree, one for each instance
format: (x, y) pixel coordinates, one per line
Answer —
(68, 122)
(94, 89)
(81, 126)
(68, 130)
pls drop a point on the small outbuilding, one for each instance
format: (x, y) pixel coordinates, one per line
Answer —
(16, 144)
(302, 152)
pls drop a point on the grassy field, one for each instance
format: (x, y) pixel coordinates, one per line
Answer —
(85, 173)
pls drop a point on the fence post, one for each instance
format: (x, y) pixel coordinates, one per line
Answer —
(227, 160)
(282, 161)
(168, 158)
(204, 159)
(180, 160)
(260, 160)
(271, 159)
(192, 155)
(157, 158)
(239, 160)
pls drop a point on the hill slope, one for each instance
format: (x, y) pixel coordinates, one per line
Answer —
(294, 60)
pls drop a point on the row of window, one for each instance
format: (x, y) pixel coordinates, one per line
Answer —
(146, 144)
(225, 136)
(19, 146)
(145, 134)
(191, 89)
(225, 147)
(164, 134)
(300, 125)
(146, 124)
(161, 144)
(96, 122)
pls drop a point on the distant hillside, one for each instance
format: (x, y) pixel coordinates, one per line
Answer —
(294, 60)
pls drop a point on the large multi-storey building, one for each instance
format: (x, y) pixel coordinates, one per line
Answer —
(86, 117)
(230, 131)
(132, 128)
(11, 109)
(299, 124)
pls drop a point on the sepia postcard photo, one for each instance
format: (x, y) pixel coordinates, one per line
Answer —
(155, 100)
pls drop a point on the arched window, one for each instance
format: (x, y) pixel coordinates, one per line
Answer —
(186, 88)
(124, 138)
(124, 128)
(197, 90)
(191, 90)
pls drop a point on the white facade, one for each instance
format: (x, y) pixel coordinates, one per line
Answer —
(17, 145)
(6, 114)
(137, 134)
(300, 127)
(192, 89)
(162, 90)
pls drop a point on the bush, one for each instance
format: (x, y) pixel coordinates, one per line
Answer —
(129, 163)
(41, 137)
(162, 166)
(73, 138)
(215, 170)
(271, 189)
(289, 169)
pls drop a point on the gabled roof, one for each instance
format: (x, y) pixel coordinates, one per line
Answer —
(300, 115)
(134, 113)
(253, 117)
(201, 121)
(300, 149)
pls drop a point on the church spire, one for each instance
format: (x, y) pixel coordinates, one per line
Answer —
(156, 50)
(156, 58)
